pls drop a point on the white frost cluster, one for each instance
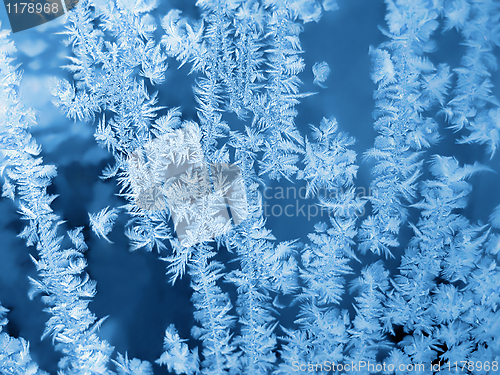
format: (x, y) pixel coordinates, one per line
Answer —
(321, 71)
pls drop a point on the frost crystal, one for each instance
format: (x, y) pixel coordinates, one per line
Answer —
(321, 71)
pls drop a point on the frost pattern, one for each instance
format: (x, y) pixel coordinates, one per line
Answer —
(102, 222)
(62, 280)
(276, 306)
(321, 71)
(14, 353)
(473, 106)
(408, 85)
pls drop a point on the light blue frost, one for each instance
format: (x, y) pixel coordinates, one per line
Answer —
(192, 182)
